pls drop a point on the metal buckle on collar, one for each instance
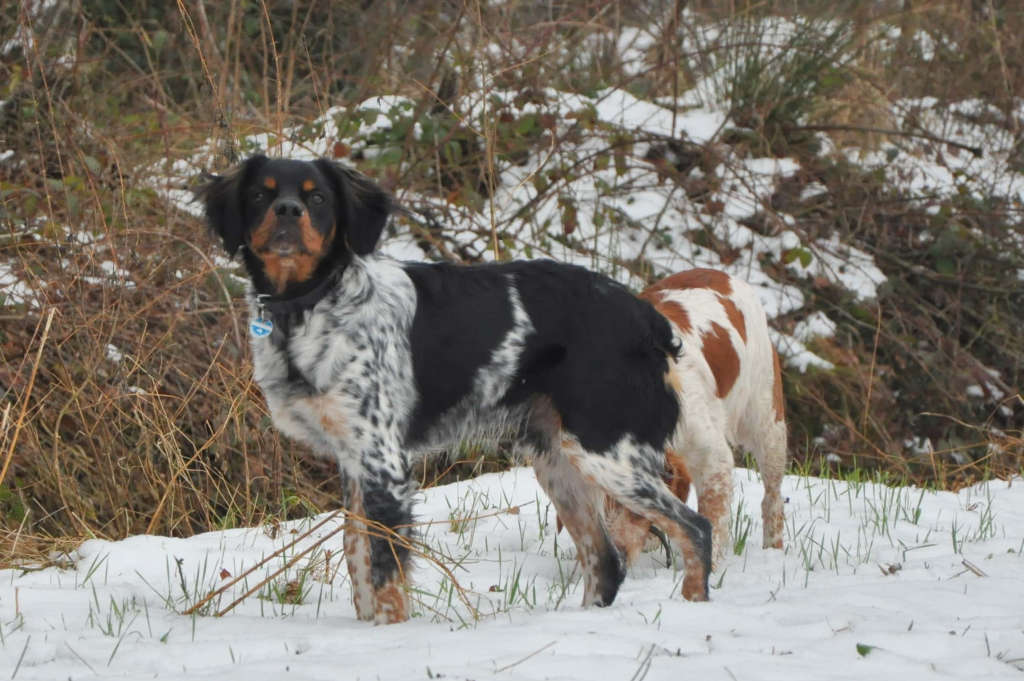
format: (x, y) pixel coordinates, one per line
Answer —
(261, 326)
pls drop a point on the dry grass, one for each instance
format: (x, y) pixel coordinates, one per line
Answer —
(174, 437)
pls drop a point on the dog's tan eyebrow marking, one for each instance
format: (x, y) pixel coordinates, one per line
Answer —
(270, 183)
(308, 185)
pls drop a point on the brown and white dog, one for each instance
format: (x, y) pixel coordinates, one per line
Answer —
(729, 385)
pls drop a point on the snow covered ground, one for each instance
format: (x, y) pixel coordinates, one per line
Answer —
(875, 582)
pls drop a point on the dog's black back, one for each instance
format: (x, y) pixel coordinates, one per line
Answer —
(597, 351)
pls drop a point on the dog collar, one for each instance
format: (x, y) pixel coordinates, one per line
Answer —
(280, 312)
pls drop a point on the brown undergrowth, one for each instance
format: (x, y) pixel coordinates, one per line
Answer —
(135, 411)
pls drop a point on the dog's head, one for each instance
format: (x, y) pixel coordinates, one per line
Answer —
(294, 220)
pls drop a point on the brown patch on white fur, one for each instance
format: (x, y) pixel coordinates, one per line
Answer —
(679, 477)
(721, 357)
(674, 312)
(328, 410)
(744, 408)
(628, 530)
(392, 603)
(735, 316)
(715, 280)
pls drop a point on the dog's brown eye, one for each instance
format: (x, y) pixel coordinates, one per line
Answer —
(316, 199)
(258, 196)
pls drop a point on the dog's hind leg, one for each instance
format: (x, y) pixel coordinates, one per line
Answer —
(772, 463)
(709, 462)
(771, 459)
(580, 508)
(763, 432)
(579, 505)
(631, 474)
(769, 449)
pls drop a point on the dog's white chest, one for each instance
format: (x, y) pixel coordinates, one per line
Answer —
(341, 381)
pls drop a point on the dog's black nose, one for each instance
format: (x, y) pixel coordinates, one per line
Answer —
(288, 208)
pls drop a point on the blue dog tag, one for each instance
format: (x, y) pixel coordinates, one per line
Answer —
(261, 327)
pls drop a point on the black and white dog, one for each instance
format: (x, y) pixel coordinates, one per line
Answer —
(374, 362)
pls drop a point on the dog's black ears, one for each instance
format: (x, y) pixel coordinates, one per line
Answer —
(364, 206)
(222, 197)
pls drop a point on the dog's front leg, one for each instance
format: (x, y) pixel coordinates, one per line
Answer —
(357, 549)
(377, 550)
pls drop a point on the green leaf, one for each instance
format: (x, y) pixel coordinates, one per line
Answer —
(526, 124)
(453, 151)
(11, 503)
(251, 26)
(620, 161)
(93, 165)
(801, 254)
(863, 649)
(389, 156)
(946, 266)
(159, 39)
